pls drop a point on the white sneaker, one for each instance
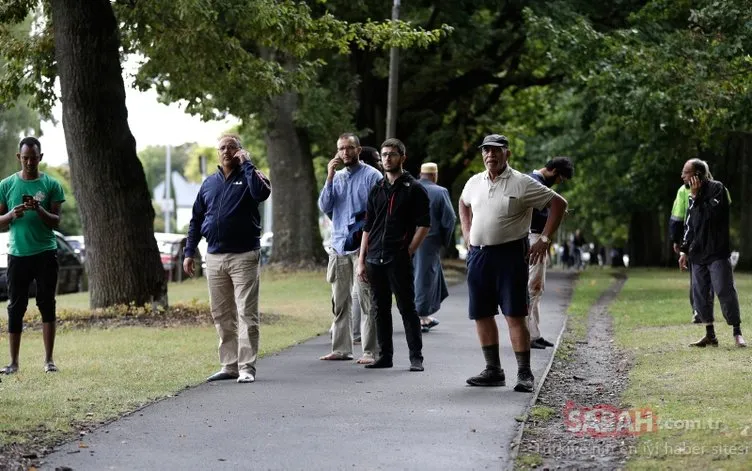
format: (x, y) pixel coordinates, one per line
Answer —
(246, 377)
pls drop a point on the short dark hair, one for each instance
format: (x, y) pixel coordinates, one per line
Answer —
(349, 135)
(369, 155)
(30, 142)
(394, 142)
(563, 165)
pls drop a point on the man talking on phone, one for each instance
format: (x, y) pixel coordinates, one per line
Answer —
(706, 245)
(343, 199)
(35, 200)
(226, 212)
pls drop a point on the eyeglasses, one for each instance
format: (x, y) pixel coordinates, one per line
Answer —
(389, 155)
(490, 149)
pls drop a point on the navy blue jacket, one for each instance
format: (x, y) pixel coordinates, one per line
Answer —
(226, 211)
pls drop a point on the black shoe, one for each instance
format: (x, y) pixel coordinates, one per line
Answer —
(537, 344)
(545, 342)
(705, 341)
(491, 377)
(416, 365)
(382, 362)
(525, 381)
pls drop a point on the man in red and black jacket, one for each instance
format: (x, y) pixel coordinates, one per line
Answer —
(397, 220)
(706, 245)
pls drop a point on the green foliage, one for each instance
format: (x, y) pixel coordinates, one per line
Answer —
(16, 120)
(16, 117)
(231, 56)
(70, 220)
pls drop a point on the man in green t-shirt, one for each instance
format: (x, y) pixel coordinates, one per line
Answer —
(30, 204)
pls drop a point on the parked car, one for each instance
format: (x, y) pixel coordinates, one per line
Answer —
(71, 276)
(171, 247)
(78, 245)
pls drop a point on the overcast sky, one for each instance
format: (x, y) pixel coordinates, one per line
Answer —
(151, 123)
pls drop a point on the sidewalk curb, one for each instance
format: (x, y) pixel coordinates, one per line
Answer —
(514, 447)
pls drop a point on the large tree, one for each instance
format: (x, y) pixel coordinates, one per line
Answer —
(108, 179)
(673, 83)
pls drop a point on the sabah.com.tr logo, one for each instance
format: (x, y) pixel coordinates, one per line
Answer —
(604, 420)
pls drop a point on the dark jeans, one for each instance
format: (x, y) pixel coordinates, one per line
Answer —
(716, 276)
(41, 267)
(395, 278)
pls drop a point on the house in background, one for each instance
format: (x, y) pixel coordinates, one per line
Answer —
(184, 193)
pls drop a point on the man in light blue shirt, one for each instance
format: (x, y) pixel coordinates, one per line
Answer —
(344, 199)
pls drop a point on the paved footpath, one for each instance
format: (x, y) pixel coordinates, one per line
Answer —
(307, 414)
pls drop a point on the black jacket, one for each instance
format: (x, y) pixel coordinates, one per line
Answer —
(392, 214)
(706, 233)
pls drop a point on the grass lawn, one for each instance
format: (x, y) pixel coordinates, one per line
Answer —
(106, 372)
(588, 288)
(702, 397)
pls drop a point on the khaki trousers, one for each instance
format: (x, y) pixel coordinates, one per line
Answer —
(233, 280)
(536, 281)
(342, 274)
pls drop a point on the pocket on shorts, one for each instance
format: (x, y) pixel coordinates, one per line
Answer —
(331, 269)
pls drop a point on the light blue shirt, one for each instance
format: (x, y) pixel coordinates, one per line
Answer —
(346, 196)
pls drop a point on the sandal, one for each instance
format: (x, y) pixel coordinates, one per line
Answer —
(366, 360)
(9, 370)
(50, 367)
(336, 356)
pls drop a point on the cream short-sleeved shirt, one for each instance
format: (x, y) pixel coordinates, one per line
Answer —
(503, 208)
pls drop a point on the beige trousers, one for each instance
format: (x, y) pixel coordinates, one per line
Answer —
(233, 280)
(536, 281)
(342, 274)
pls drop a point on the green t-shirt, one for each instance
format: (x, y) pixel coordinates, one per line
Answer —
(28, 234)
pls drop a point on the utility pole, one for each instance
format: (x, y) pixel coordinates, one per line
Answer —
(167, 202)
(391, 103)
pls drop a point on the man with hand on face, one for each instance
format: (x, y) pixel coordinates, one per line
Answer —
(496, 208)
(397, 221)
(556, 170)
(226, 212)
(706, 244)
(344, 199)
(36, 200)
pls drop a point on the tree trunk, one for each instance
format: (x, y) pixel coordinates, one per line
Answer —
(645, 240)
(108, 179)
(297, 239)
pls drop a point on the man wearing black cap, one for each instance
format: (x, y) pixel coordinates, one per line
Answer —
(496, 209)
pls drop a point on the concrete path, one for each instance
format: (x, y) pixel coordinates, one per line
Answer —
(307, 414)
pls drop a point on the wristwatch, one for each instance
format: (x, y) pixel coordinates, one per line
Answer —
(545, 239)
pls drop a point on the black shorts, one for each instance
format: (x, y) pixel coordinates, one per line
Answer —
(497, 277)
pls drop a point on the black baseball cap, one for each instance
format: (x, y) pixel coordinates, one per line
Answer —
(495, 140)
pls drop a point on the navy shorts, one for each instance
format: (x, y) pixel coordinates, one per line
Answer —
(497, 277)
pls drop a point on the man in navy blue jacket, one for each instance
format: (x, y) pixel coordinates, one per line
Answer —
(226, 212)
